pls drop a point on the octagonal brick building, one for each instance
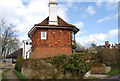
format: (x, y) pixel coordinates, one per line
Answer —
(53, 36)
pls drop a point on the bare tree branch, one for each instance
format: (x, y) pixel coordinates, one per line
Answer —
(9, 41)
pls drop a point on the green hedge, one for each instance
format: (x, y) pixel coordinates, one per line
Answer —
(19, 63)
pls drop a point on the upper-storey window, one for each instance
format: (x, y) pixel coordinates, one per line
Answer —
(26, 43)
(73, 36)
(43, 35)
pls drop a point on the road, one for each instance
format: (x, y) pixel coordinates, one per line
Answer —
(116, 77)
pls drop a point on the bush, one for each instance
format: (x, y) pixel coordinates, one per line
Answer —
(76, 63)
(59, 61)
(19, 63)
(106, 56)
(60, 67)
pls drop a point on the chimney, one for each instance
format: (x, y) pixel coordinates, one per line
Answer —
(107, 44)
(53, 12)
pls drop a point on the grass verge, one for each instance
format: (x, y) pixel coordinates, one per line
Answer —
(114, 72)
(19, 75)
(6, 70)
(91, 78)
(4, 77)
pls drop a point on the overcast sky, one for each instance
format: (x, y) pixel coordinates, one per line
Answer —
(97, 21)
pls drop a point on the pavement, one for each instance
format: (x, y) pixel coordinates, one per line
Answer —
(114, 78)
(11, 75)
(100, 76)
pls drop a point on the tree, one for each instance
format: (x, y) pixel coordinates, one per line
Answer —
(106, 56)
(79, 48)
(92, 48)
(8, 38)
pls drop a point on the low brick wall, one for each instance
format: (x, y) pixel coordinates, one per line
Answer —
(26, 68)
(27, 72)
(46, 52)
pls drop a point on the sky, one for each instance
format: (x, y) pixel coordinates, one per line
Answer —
(97, 21)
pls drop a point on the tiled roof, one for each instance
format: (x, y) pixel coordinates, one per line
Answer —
(45, 24)
(16, 53)
(61, 22)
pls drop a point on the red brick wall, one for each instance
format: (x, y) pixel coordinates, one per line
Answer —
(58, 42)
(45, 52)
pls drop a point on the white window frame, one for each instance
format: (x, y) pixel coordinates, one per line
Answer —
(43, 35)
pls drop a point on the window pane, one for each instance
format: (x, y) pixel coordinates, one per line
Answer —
(73, 36)
(26, 43)
(43, 35)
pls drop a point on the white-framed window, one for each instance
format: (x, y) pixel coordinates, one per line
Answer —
(43, 35)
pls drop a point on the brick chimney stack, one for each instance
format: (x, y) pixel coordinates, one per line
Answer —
(107, 44)
(53, 12)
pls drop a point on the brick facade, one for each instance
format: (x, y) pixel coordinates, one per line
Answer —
(58, 42)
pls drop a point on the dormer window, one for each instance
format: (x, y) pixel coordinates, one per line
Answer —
(43, 35)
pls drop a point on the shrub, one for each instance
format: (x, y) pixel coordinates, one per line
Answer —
(59, 61)
(19, 63)
(106, 56)
(59, 67)
(77, 64)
